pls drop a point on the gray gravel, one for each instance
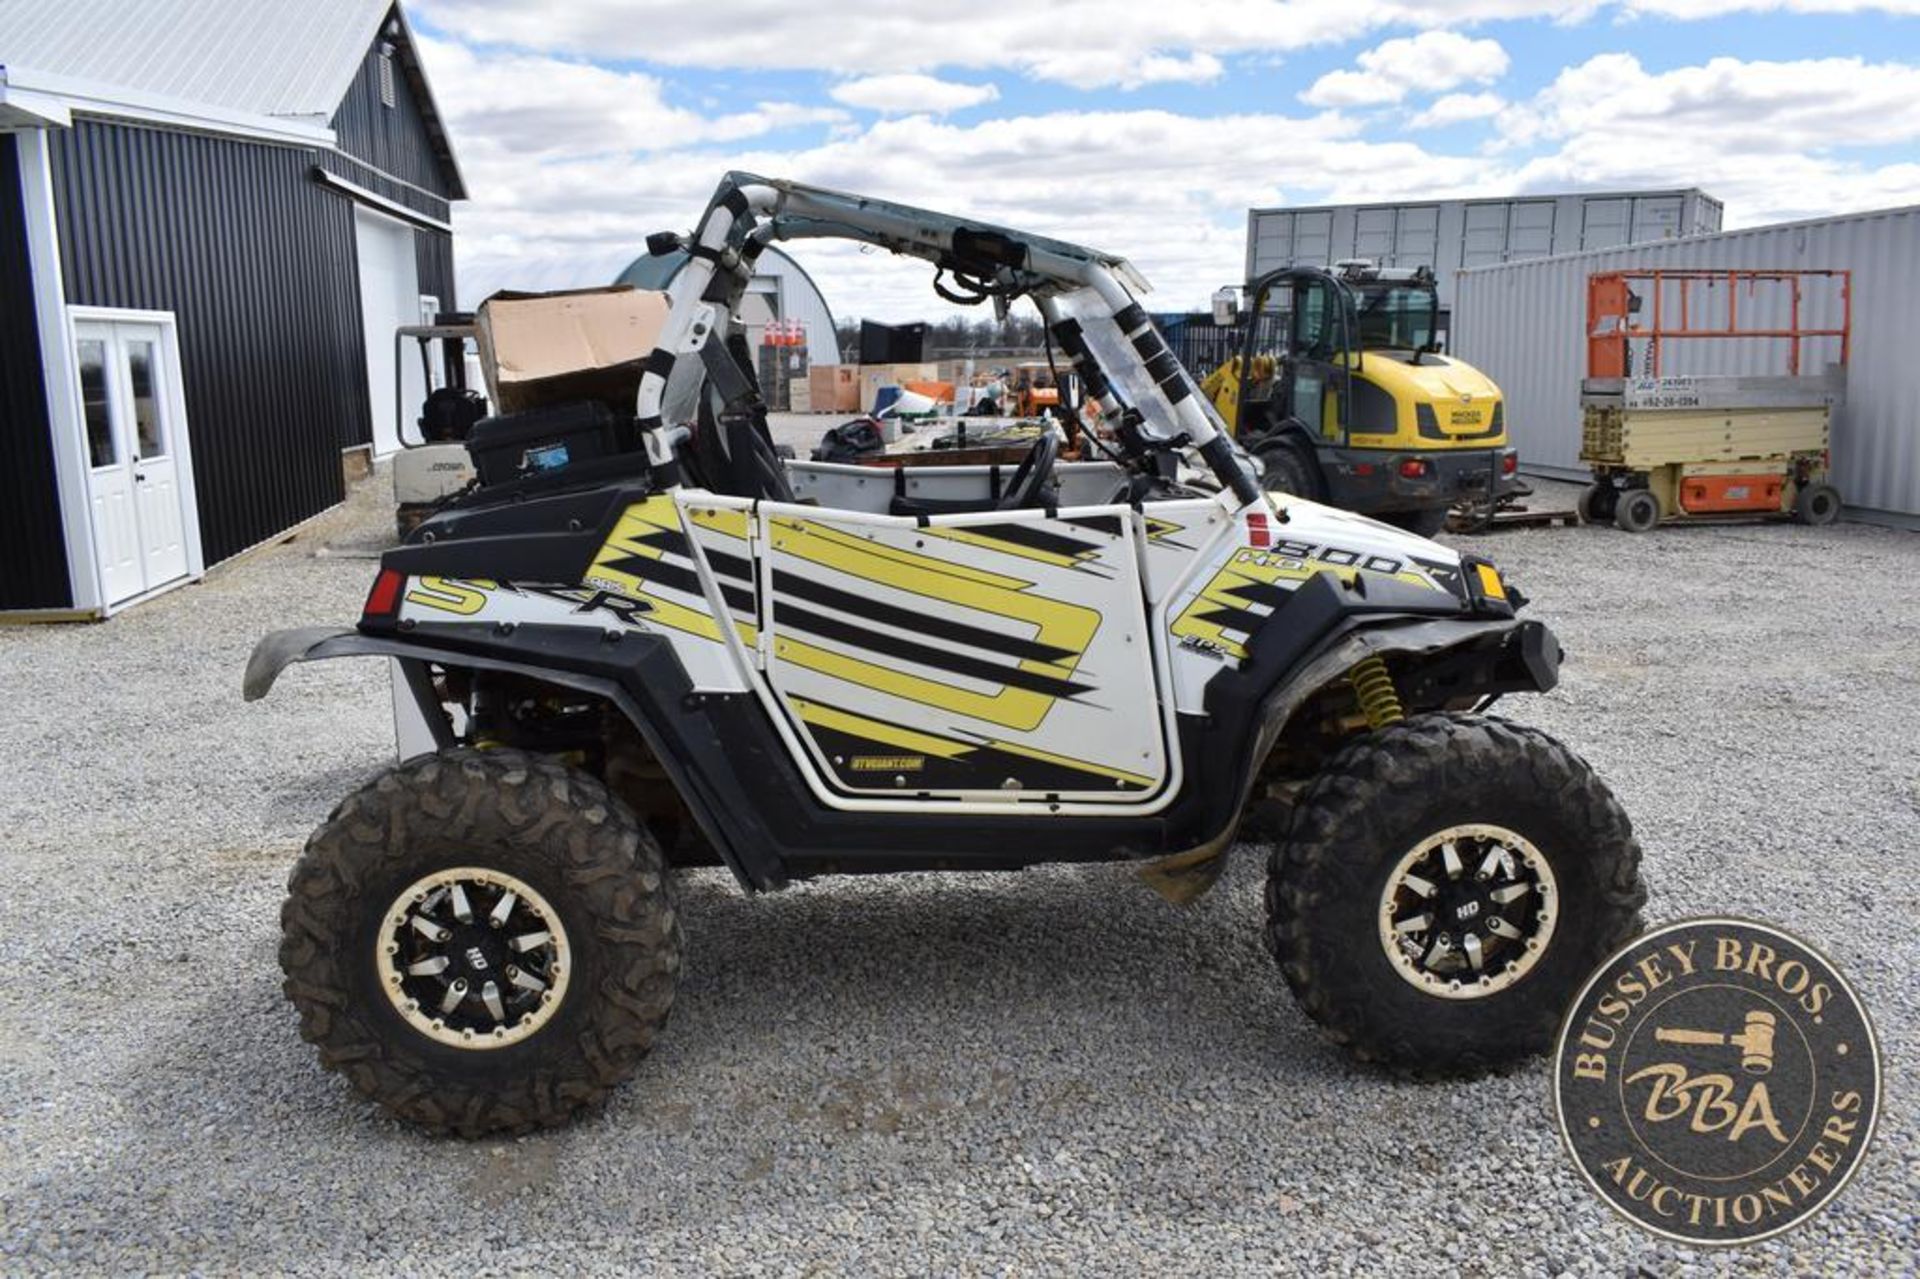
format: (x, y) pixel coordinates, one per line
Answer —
(1039, 1072)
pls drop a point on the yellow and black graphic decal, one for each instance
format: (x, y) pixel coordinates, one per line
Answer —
(648, 558)
(836, 591)
(466, 596)
(1253, 585)
(866, 753)
(1161, 532)
(1028, 541)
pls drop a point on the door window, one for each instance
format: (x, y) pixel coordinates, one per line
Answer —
(146, 403)
(93, 400)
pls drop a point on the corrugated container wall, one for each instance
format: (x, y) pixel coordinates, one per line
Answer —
(1448, 235)
(1523, 324)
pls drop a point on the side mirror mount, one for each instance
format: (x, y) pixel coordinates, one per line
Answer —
(1226, 306)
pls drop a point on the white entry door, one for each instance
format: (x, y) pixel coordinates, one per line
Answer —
(389, 298)
(134, 482)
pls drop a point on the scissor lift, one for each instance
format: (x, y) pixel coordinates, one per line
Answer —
(1668, 445)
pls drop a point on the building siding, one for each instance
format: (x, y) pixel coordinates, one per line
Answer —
(433, 259)
(256, 261)
(33, 568)
(394, 139)
(390, 151)
(1522, 323)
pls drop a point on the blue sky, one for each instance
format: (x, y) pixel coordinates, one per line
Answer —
(1149, 130)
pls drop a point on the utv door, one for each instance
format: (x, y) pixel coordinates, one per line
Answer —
(990, 660)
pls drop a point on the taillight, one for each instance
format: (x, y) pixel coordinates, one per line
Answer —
(383, 601)
(1259, 532)
(1509, 463)
(1415, 468)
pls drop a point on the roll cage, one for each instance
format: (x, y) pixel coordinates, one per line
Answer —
(1085, 297)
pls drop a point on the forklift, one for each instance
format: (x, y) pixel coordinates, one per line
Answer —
(434, 467)
(1341, 393)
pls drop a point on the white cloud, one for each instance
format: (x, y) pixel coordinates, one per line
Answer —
(568, 158)
(1457, 108)
(1740, 108)
(908, 92)
(1084, 43)
(530, 104)
(1430, 62)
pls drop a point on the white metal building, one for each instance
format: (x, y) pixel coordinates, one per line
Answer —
(1523, 324)
(1449, 235)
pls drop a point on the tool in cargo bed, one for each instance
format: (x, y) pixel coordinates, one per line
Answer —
(1671, 438)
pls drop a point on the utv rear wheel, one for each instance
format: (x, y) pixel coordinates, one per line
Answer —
(481, 942)
(1445, 886)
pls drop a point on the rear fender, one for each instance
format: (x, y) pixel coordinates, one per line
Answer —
(755, 869)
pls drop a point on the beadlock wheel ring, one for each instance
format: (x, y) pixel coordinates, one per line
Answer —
(1468, 911)
(473, 958)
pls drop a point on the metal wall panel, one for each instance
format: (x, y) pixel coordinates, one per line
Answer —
(257, 262)
(393, 139)
(33, 551)
(433, 260)
(1451, 234)
(1522, 323)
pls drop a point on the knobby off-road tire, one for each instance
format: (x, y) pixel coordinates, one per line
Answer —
(556, 831)
(1382, 797)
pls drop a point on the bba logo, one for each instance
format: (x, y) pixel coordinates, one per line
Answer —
(1717, 1081)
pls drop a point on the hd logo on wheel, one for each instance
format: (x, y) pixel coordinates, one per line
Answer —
(1717, 1081)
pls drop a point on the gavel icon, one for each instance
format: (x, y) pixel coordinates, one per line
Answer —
(1755, 1042)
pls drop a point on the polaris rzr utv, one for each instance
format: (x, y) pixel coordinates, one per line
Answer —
(700, 652)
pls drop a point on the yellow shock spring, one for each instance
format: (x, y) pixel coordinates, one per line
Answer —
(1373, 685)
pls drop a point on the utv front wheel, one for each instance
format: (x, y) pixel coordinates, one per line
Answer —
(1445, 886)
(481, 942)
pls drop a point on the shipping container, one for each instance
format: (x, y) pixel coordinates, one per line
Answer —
(1522, 323)
(1448, 235)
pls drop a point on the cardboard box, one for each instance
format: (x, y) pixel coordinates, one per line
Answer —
(550, 348)
(800, 395)
(834, 388)
(875, 376)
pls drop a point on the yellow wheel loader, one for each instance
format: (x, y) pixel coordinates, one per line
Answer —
(1346, 399)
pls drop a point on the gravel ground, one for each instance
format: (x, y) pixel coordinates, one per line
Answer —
(1038, 1072)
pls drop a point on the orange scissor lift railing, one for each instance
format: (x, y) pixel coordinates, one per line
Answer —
(1612, 318)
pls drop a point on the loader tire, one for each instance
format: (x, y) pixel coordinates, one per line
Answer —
(1289, 469)
(1337, 885)
(1426, 523)
(523, 882)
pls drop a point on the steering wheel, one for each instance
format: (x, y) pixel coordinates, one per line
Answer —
(1030, 477)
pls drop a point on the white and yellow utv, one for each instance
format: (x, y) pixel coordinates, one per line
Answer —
(697, 651)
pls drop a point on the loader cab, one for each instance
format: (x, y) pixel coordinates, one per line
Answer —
(1300, 353)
